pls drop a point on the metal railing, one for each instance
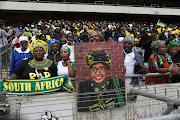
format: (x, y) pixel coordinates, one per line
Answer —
(5, 57)
(65, 104)
(22, 106)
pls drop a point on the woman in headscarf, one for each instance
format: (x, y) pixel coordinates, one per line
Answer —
(20, 54)
(101, 92)
(173, 50)
(161, 62)
(65, 66)
(37, 67)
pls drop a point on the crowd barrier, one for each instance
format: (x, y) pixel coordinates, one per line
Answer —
(5, 57)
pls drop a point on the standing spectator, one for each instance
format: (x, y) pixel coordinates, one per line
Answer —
(161, 62)
(65, 66)
(20, 54)
(173, 50)
(70, 45)
(145, 42)
(3, 42)
(132, 61)
(37, 67)
(17, 30)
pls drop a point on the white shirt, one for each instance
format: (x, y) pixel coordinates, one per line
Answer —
(129, 63)
(62, 70)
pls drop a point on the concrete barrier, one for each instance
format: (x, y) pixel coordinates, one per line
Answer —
(63, 105)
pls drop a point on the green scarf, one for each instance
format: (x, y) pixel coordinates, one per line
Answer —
(167, 57)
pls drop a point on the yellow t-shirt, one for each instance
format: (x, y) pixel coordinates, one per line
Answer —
(128, 34)
(48, 37)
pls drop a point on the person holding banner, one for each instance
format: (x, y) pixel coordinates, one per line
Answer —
(37, 67)
(36, 75)
(101, 92)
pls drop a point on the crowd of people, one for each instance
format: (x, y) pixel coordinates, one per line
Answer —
(155, 43)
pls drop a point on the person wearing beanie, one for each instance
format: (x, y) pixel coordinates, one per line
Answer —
(20, 54)
(95, 94)
(133, 62)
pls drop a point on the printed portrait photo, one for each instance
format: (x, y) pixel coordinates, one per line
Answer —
(99, 81)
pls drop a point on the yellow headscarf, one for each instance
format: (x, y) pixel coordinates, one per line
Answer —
(38, 43)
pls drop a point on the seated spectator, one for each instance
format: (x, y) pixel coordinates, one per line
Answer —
(161, 62)
(133, 62)
(54, 54)
(20, 54)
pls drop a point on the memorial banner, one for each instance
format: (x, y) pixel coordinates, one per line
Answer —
(35, 86)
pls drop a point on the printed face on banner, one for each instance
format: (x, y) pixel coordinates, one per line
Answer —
(99, 79)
